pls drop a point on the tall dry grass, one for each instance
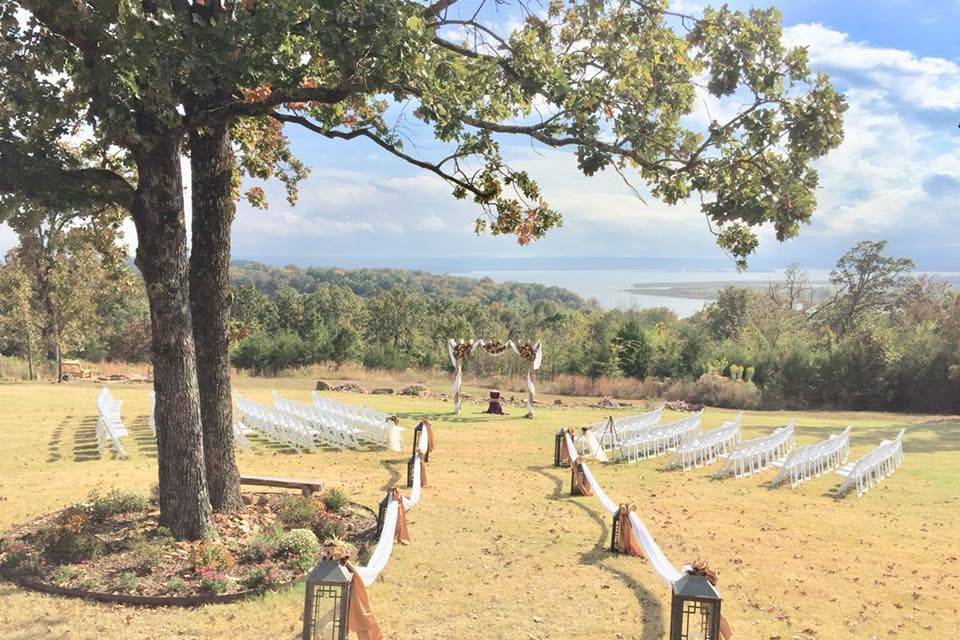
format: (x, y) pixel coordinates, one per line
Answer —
(13, 368)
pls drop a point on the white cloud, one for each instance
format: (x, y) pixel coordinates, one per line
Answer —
(929, 82)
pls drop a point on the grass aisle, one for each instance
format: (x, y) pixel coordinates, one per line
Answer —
(499, 550)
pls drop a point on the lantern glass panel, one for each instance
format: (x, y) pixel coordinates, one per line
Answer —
(696, 621)
(326, 612)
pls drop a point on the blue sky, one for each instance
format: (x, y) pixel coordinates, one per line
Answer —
(896, 177)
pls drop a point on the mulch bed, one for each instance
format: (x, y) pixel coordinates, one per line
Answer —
(141, 565)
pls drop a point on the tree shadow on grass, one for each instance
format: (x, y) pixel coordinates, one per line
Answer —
(391, 467)
(653, 623)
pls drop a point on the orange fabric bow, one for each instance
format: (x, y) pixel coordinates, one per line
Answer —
(423, 470)
(360, 619)
(401, 534)
(626, 543)
(580, 480)
(564, 453)
(701, 567)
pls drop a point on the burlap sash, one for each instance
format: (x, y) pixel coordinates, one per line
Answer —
(626, 542)
(401, 534)
(580, 480)
(423, 470)
(360, 619)
(702, 568)
(564, 453)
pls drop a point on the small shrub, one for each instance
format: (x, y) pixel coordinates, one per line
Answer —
(15, 555)
(327, 529)
(65, 574)
(416, 389)
(65, 546)
(212, 555)
(146, 555)
(116, 502)
(264, 576)
(75, 519)
(127, 582)
(263, 546)
(335, 500)
(175, 584)
(299, 548)
(297, 512)
(213, 580)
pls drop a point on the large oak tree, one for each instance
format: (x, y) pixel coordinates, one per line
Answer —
(616, 82)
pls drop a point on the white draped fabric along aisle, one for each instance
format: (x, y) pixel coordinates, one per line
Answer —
(381, 554)
(658, 559)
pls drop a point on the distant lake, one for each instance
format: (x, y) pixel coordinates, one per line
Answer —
(609, 287)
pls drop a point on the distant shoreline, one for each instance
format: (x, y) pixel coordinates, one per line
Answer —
(706, 290)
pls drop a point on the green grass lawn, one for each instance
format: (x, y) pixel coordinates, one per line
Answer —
(499, 550)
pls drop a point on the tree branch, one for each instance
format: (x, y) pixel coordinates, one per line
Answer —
(435, 168)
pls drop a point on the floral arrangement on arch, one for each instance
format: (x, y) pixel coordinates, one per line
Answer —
(462, 349)
(527, 350)
(494, 347)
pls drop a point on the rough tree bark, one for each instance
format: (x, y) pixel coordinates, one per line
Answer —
(210, 296)
(162, 259)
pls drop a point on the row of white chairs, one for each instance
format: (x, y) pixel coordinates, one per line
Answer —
(110, 427)
(612, 431)
(326, 428)
(273, 424)
(658, 439)
(813, 460)
(873, 467)
(757, 454)
(375, 427)
(705, 448)
(152, 420)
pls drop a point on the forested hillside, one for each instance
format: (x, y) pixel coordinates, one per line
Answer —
(368, 282)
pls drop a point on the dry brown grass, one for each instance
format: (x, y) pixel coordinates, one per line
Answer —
(499, 550)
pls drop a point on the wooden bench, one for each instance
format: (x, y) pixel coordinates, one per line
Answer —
(307, 487)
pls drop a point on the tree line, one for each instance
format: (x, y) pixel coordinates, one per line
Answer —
(881, 338)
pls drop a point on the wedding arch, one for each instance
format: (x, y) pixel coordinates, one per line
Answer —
(459, 350)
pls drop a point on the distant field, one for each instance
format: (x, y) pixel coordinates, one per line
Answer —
(499, 550)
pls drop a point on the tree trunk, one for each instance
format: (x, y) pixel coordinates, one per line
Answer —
(162, 259)
(210, 295)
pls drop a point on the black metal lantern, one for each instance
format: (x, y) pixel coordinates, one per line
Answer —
(695, 609)
(410, 466)
(417, 434)
(558, 445)
(326, 605)
(615, 533)
(417, 437)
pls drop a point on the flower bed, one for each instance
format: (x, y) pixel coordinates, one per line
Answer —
(111, 548)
